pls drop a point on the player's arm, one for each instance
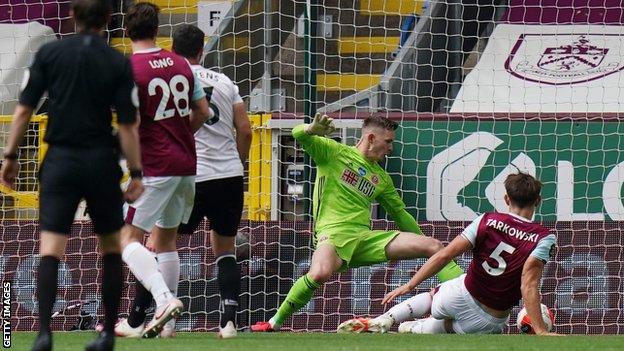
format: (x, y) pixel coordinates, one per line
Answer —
(311, 137)
(126, 102)
(243, 131)
(10, 166)
(434, 264)
(530, 285)
(394, 205)
(200, 110)
(130, 146)
(390, 200)
(33, 87)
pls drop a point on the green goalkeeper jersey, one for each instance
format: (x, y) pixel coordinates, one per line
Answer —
(347, 184)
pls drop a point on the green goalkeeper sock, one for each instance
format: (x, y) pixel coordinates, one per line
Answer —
(298, 296)
(451, 271)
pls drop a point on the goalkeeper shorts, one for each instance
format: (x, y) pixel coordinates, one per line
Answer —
(360, 247)
(453, 301)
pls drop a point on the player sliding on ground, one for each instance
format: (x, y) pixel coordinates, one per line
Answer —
(348, 180)
(509, 252)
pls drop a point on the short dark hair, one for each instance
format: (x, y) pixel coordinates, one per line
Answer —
(91, 14)
(523, 189)
(188, 41)
(141, 21)
(380, 122)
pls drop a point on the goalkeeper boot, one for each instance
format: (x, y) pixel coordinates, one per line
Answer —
(43, 342)
(169, 330)
(104, 342)
(380, 324)
(163, 314)
(262, 327)
(124, 330)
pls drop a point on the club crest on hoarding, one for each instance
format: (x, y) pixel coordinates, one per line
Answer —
(565, 58)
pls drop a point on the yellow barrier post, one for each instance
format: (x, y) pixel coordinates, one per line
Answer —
(253, 193)
(265, 169)
(26, 200)
(260, 157)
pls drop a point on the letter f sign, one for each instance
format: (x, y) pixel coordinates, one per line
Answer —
(214, 16)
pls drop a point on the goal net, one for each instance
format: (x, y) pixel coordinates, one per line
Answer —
(480, 89)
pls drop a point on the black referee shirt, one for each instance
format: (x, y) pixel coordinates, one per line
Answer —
(84, 78)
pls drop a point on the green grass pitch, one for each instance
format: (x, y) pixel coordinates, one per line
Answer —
(71, 341)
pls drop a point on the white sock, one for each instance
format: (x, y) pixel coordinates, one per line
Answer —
(273, 324)
(429, 326)
(144, 267)
(410, 309)
(169, 267)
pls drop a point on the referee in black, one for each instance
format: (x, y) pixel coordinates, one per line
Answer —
(84, 78)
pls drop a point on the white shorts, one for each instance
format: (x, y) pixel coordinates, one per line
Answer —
(166, 202)
(453, 301)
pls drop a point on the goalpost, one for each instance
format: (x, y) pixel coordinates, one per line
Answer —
(480, 89)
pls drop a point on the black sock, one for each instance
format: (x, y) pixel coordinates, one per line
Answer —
(229, 288)
(112, 281)
(46, 290)
(142, 301)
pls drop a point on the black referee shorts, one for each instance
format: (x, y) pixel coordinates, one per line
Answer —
(69, 175)
(219, 200)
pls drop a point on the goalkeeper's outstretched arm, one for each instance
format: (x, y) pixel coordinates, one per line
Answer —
(394, 205)
(311, 137)
(392, 202)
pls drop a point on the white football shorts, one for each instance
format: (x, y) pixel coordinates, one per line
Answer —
(453, 301)
(166, 202)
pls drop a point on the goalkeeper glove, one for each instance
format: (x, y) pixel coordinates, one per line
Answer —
(321, 125)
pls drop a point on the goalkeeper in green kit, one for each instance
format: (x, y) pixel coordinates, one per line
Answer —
(348, 180)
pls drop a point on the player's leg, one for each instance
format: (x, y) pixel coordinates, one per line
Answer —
(444, 302)
(178, 210)
(396, 246)
(381, 246)
(427, 326)
(104, 201)
(452, 301)
(228, 279)
(51, 249)
(140, 218)
(407, 246)
(224, 207)
(372, 249)
(415, 307)
(112, 282)
(421, 305)
(461, 314)
(325, 262)
(58, 201)
(134, 325)
(143, 265)
(164, 244)
(408, 310)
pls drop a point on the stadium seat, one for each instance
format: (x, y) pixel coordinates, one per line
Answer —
(176, 6)
(124, 46)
